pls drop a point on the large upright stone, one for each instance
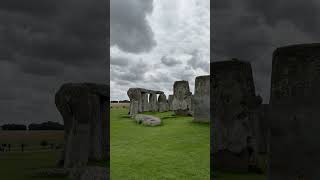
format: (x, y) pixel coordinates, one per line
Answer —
(163, 103)
(170, 99)
(233, 103)
(201, 99)
(153, 102)
(145, 102)
(84, 111)
(135, 101)
(294, 101)
(182, 98)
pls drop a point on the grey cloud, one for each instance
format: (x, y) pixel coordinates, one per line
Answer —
(169, 61)
(130, 30)
(119, 61)
(134, 73)
(197, 62)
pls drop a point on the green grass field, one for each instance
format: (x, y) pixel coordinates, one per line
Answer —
(177, 150)
(17, 165)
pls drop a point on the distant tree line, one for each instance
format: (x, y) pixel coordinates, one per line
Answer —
(43, 126)
(14, 127)
(46, 126)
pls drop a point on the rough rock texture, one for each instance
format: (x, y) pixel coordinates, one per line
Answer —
(89, 173)
(145, 102)
(182, 98)
(294, 101)
(163, 103)
(261, 124)
(147, 120)
(84, 110)
(201, 99)
(139, 100)
(153, 102)
(233, 104)
(135, 101)
(170, 99)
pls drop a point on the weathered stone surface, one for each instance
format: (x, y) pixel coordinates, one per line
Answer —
(294, 101)
(135, 100)
(89, 173)
(82, 107)
(182, 98)
(145, 102)
(139, 100)
(233, 103)
(261, 125)
(201, 99)
(153, 102)
(163, 103)
(147, 120)
(170, 99)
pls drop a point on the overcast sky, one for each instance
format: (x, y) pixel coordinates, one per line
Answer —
(252, 29)
(43, 45)
(157, 42)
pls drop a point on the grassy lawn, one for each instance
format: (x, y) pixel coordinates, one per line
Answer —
(18, 166)
(31, 139)
(179, 149)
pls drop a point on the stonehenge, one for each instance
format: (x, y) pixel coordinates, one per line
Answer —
(163, 103)
(147, 120)
(182, 98)
(143, 100)
(182, 102)
(170, 99)
(233, 110)
(84, 108)
(201, 99)
(294, 114)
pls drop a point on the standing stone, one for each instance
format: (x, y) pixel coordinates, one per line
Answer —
(163, 103)
(170, 99)
(145, 103)
(233, 103)
(294, 101)
(135, 101)
(201, 99)
(153, 102)
(85, 122)
(182, 98)
(262, 128)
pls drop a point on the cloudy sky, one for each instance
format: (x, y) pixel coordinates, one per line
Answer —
(43, 45)
(157, 42)
(251, 30)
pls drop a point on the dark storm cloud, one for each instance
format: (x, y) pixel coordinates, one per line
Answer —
(169, 61)
(45, 44)
(41, 68)
(130, 30)
(251, 30)
(31, 7)
(75, 36)
(304, 14)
